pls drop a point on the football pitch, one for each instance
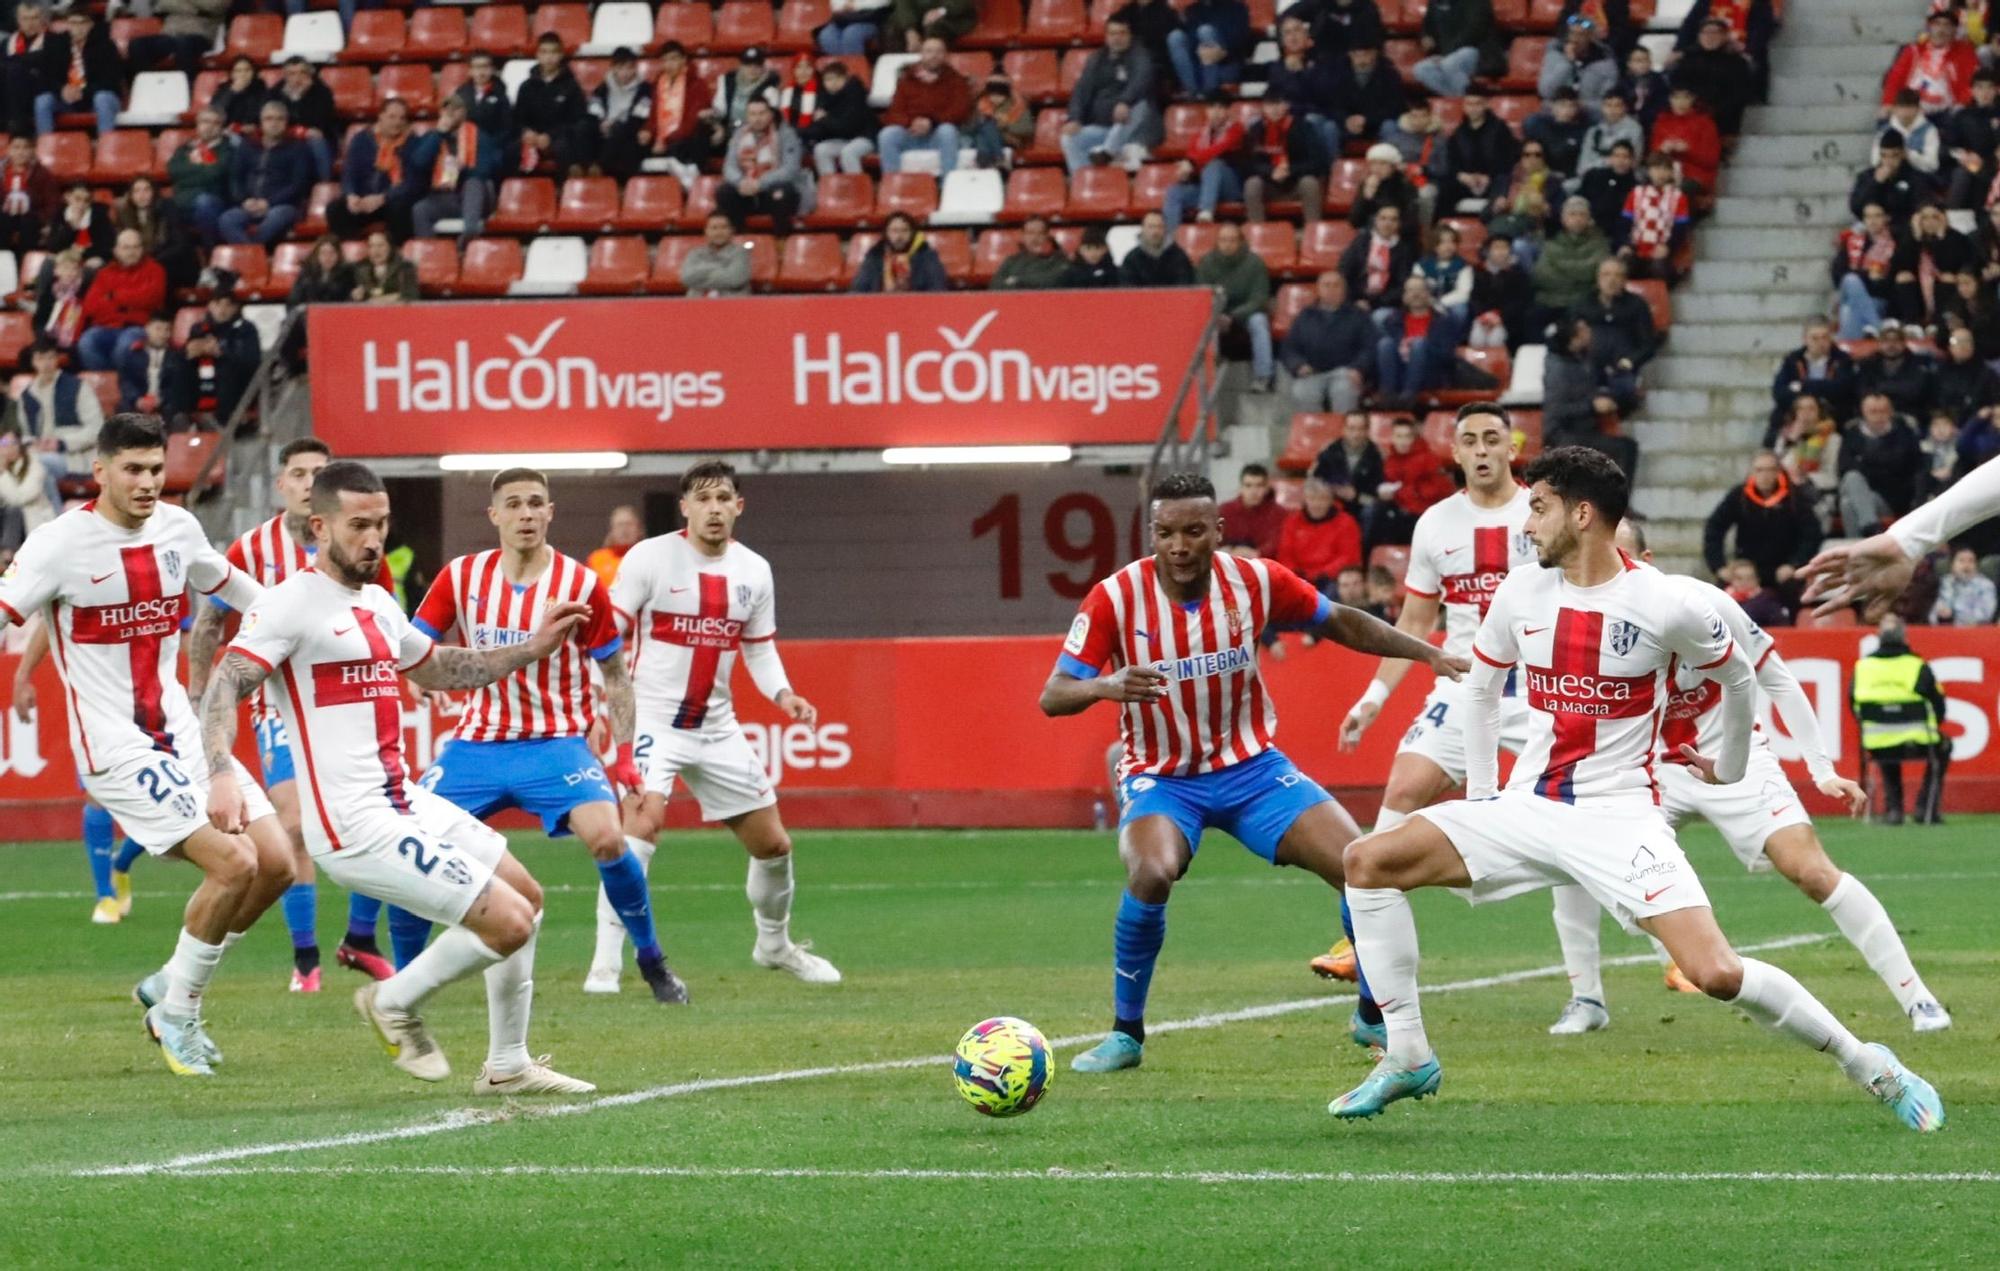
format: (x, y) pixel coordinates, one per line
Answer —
(776, 1124)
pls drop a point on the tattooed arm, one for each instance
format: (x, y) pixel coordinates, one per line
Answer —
(452, 667)
(624, 767)
(207, 636)
(233, 681)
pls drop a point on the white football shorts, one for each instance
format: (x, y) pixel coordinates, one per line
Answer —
(1438, 732)
(718, 767)
(160, 800)
(1747, 813)
(434, 861)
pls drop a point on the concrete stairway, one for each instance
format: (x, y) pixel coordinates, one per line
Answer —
(1760, 263)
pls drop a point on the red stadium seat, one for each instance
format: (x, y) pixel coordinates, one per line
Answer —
(414, 85)
(526, 205)
(184, 319)
(1034, 74)
(1343, 184)
(666, 276)
(353, 90)
(1289, 492)
(1511, 15)
(954, 249)
(377, 35)
(589, 205)
(248, 262)
(812, 262)
(1324, 242)
(164, 145)
(1392, 557)
(65, 154)
(1471, 234)
(1544, 15)
(1099, 14)
(742, 24)
(436, 260)
(500, 29)
(1309, 435)
(858, 247)
(1277, 242)
(1514, 111)
(435, 34)
(913, 192)
(286, 261)
(700, 202)
(1071, 70)
(691, 23)
(976, 66)
(490, 267)
(313, 223)
(618, 267)
(650, 203)
(1034, 192)
(1524, 63)
(796, 23)
(994, 246)
(846, 200)
(121, 155)
(1440, 429)
(569, 22)
(1403, 55)
(188, 453)
(255, 36)
(1099, 194)
(17, 332)
(1196, 239)
(1149, 190)
(126, 30)
(1655, 293)
(1055, 22)
(1183, 123)
(1292, 298)
(1047, 145)
(1528, 423)
(763, 260)
(999, 26)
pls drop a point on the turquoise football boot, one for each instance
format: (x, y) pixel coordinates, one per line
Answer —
(1119, 1050)
(1389, 1082)
(179, 1040)
(1365, 1035)
(1914, 1100)
(151, 991)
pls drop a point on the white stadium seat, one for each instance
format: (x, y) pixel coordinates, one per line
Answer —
(316, 37)
(970, 197)
(619, 24)
(887, 67)
(554, 267)
(159, 99)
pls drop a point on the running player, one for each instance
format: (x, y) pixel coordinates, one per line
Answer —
(1598, 635)
(690, 602)
(521, 742)
(1760, 818)
(1180, 628)
(271, 553)
(337, 645)
(112, 577)
(1875, 570)
(1459, 552)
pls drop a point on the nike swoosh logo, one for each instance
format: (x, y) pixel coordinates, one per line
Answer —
(1130, 975)
(1907, 983)
(678, 590)
(1450, 551)
(341, 631)
(101, 578)
(1386, 1005)
(1528, 631)
(1651, 896)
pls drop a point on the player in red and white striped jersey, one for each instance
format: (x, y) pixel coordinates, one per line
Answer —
(1179, 633)
(271, 553)
(690, 602)
(1598, 637)
(113, 578)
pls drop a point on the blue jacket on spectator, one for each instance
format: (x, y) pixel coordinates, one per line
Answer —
(1322, 339)
(1230, 18)
(420, 155)
(360, 176)
(280, 174)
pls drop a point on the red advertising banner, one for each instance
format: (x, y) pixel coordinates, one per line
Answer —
(947, 732)
(765, 372)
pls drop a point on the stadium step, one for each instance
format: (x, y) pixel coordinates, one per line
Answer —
(1849, 119)
(1828, 177)
(1793, 307)
(1847, 153)
(1736, 243)
(1806, 211)
(1869, 22)
(1695, 436)
(1710, 371)
(1771, 340)
(1716, 469)
(1845, 58)
(1806, 274)
(1826, 89)
(1701, 404)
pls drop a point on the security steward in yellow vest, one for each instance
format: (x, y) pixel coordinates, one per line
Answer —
(1895, 699)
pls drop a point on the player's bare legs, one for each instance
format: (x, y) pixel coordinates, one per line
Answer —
(275, 863)
(769, 888)
(1156, 855)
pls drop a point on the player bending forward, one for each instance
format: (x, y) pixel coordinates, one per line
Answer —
(337, 645)
(1459, 552)
(1597, 636)
(1760, 817)
(1180, 628)
(113, 576)
(690, 601)
(523, 742)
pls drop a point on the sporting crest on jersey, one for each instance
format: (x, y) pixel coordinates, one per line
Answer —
(1234, 616)
(1624, 636)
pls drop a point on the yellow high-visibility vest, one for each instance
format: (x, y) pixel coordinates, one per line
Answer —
(1886, 700)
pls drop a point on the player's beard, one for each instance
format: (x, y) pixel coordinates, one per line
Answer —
(1557, 554)
(349, 572)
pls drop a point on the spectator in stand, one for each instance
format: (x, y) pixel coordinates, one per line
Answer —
(143, 210)
(1502, 298)
(1646, 87)
(721, 265)
(59, 412)
(1972, 307)
(1655, 222)
(1329, 350)
(932, 102)
(1975, 127)
(1383, 184)
(1863, 273)
(1252, 521)
(900, 261)
(1523, 212)
(911, 22)
(463, 166)
(685, 129)
(1320, 539)
(32, 61)
(58, 317)
(1156, 260)
(381, 277)
(1921, 141)
(121, 296)
(84, 224)
(271, 179)
(1808, 447)
(1773, 522)
(1351, 589)
(853, 27)
(1964, 386)
(1746, 32)
(325, 277)
(551, 114)
(1003, 124)
(29, 197)
(1576, 398)
(1303, 79)
(1622, 336)
(1719, 75)
(1210, 173)
(1559, 128)
(1283, 156)
(199, 173)
(1448, 274)
(29, 496)
(1417, 136)
(1818, 368)
(486, 104)
(622, 533)
(187, 32)
(1351, 465)
(842, 132)
(1937, 65)
(761, 172)
(1940, 457)
(1462, 43)
(153, 376)
(1891, 182)
(1367, 92)
(1209, 49)
(313, 118)
(1112, 109)
(1580, 61)
(1765, 606)
(1607, 188)
(1092, 265)
(1385, 594)
(241, 97)
(1927, 265)
(1614, 124)
(1566, 269)
(1417, 348)
(1376, 263)
(91, 79)
(1037, 265)
(1966, 597)
(1478, 158)
(1880, 466)
(222, 352)
(1245, 283)
(1970, 181)
(621, 107)
(1340, 25)
(1414, 478)
(752, 80)
(1906, 377)
(1153, 22)
(1688, 134)
(379, 183)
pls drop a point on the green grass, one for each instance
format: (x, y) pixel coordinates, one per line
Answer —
(934, 932)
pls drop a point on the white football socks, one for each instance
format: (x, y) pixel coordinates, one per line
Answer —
(452, 956)
(770, 891)
(510, 995)
(1772, 997)
(1867, 927)
(1387, 819)
(1385, 939)
(610, 954)
(188, 973)
(1577, 930)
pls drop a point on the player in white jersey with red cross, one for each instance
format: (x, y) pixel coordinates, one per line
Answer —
(1172, 639)
(1759, 817)
(689, 602)
(523, 742)
(113, 577)
(336, 647)
(1598, 637)
(270, 553)
(1459, 552)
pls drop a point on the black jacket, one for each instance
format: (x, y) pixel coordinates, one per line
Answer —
(842, 116)
(1785, 533)
(1312, 89)
(1489, 148)
(1303, 151)
(1354, 268)
(1151, 24)
(1974, 129)
(1909, 382)
(1364, 473)
(1458, 24)
(1622, 329)
(1171, 268)
(314, 108)
(1836, 389)
(1562, 143)
(1082, 274)
(240, 110)
(1377, 101)
(1396, 191)
(1892, 464)
(1899, 195)
(1322, 340)
(1722, 80)
(1964, 387)
(1510, 292)
(1340, 25)
(552, 106)
(492, 112)
(103, 69)
(1649, 96)
(1605, 190)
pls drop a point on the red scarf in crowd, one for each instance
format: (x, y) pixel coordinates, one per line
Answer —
(460, 151)
(1276, 133)
(896, 265)
(1378, 262)
(1735, 12)
(15, 200)
(669, 104)
(802, 98)
(755, 155)
(389, 157)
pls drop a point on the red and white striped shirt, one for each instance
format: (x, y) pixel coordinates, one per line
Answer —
(270, 555)
(1216, 712)
(474, 605)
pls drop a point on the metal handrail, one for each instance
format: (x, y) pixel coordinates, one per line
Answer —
(1203, 376)
(257, 394)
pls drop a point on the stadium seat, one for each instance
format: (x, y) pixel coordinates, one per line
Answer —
(436, 34)
(1323, 243)
(907, 192)
(954, 249)
(158, 98)
(1053, 23)
(588, 205)
(1099, 14)
(1047, 145)
(1524, 64)
(1289, 492)
(763, 260)
(1471, 235)
(525, 205)
(378, 35)
(1440, 429)
(882, 79)
(1070, 70)
(797, 21)
(268, 320)
(1196, 239)
(554, 267)
(971, 196)
(999, 26)
(65, 154)
(1068, 238)
(700, 202)
(184, 319)
(666, 276)
(121, 155)
(413, 83)
(993, 247)
(501, 29)
(1392, 557)
(742, 24)
(1277, 242)
(126, 30)
(10, 277)
(1528, 423)
(975, 66)
(1182, 122)
(846, 200)
(255, 36)
(1149, 188)
(1655, 293)
(619, 24)
(1494, 362)
(436, 260)
(569, 22)
(313, 223)
(811, 262)
(1403, 55)
(1034, 192)
(316, 37)
(1514, 110)
(618, 266)
(188, 453)
(250, 264)
(858, 247)
(288, 258)
(1310, 434)
(1098, 194)
(1292, 298)
(353, 90)
(17, 332)
(1034, 74)
(692, 24)
(1343, 184)
(491, 266)
(649, 203)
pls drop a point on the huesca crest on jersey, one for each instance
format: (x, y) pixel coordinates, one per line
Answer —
(743, 594)
(173, 562)
(1623, 636)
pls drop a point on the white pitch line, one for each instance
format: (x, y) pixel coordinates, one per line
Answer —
(1060, 1174)
(466, 1118)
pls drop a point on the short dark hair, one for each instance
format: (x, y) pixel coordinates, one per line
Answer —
(508, 476)
(303, 446)
(129, 430)
(711, 470)
(1254, 470)
(673, 46)
(1345, 570)
(1635, 525)
(900, 215)
(1578, 474)
(546, 37)
(343, 476)
(1470, 409)
(1181, 485)
(1891, 140)
(296, 60)
(1626, 146)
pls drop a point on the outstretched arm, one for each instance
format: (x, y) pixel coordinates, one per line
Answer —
(451, 667)
(1418, 620)
(1366, 633)
(1796, 710)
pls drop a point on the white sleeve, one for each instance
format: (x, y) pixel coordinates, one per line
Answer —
(1421, 579)
(762, 624)
(632, 587)
(1973, 498)
(215, 576)
(767, 669)
(31, 581)
(1494, 652)
(1698, 636)
(1795, 709)
(267, 636)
